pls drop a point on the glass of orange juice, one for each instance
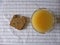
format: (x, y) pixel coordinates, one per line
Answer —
(42, 20)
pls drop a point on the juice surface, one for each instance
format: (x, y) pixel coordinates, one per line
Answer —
(42, 20)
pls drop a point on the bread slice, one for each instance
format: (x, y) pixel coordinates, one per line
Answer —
(18, 22)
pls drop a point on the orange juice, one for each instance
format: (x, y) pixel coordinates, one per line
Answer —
(42, 20)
